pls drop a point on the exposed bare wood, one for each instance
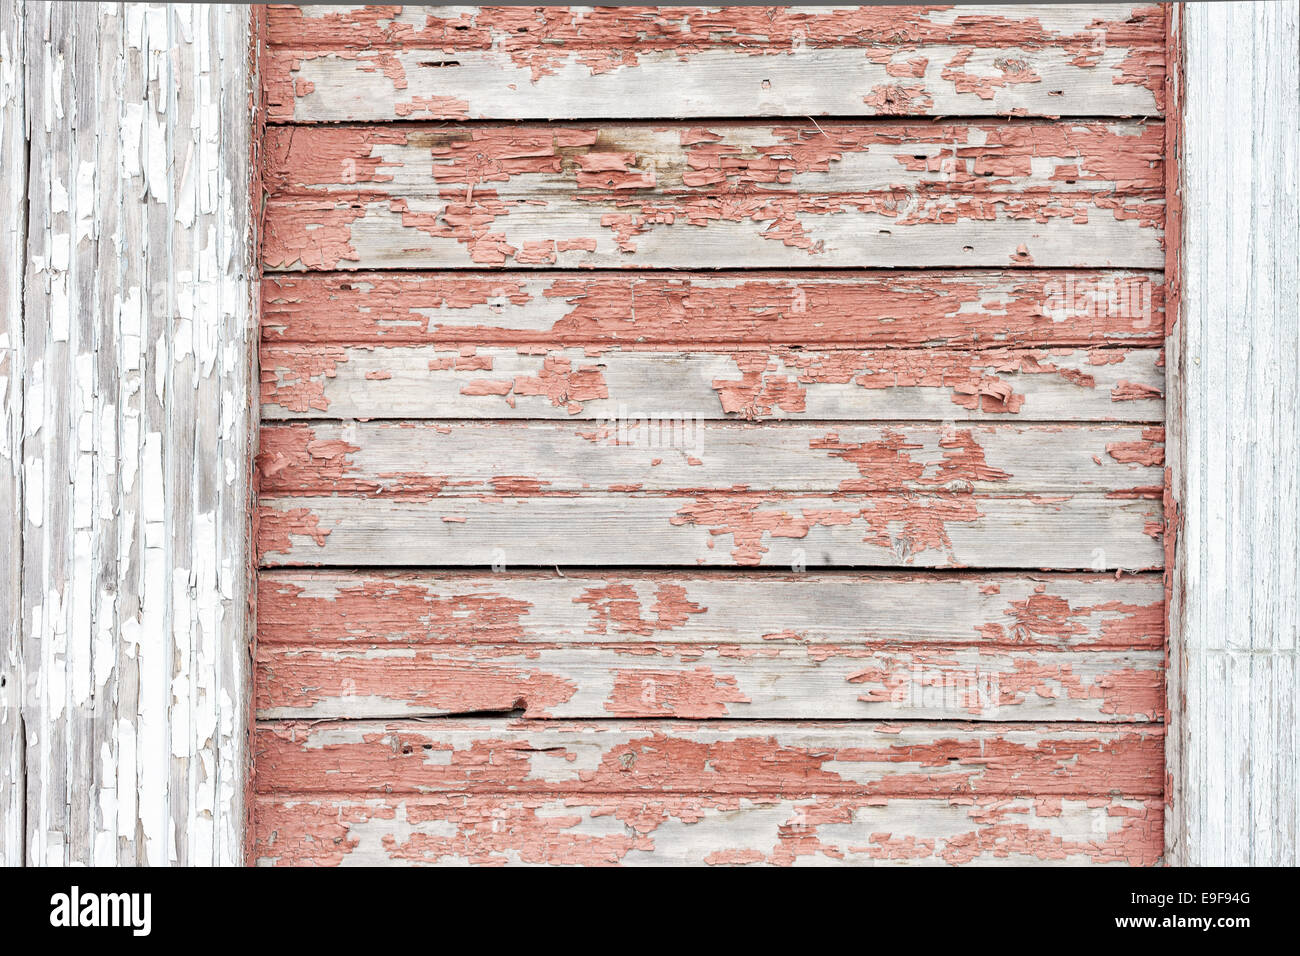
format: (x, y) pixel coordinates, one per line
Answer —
(793, 759)
(1077, 612)
(138, 325)
(379, 63)
(1234, 640)
(957, 310)
(706, 829)
(617, 384)
(774, 529)
(427, 459)
(783, 679)
(1085, 194)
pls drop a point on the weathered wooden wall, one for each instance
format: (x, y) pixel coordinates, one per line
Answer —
(1234, 354)
(126, 357)
(833, 533)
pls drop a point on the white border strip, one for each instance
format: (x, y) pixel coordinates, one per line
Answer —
(1235, 359)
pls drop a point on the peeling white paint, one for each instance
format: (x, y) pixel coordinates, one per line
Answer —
(126, 336)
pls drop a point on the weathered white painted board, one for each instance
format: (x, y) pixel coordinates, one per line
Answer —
(137, 326)
(327, 381)
(428, 459)
(1085, 194)
(772, 529)
(1235, 610)
(785, 680)
(13, 245)
(715, 757)
(706, 829)
(969, 309)
(377, 63)
(1078, 612)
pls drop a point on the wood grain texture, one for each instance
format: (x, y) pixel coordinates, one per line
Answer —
(1234, 651)
(773, 529)
(783, 679)
(424, 460)
(862, 758)
(137, 333)
(699, 829)
(1052, 612)
(892, 387)
(956, 310)
(383, 63)
(13, 245)
(621, 383)
(832, 194)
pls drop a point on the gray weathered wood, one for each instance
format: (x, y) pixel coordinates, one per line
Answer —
(473, 458)
(1044, 611)
(717, 529)
(1234, 351)
(327, 381)
(138, 326)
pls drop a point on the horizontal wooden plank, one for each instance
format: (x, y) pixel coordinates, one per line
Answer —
(1082, 194)
(706, 829)
(859, 757)
(319, 381)
(1027, 611)
(957, 310)
(785, 680)
(428, 460)
(773, 529)
(380, 63)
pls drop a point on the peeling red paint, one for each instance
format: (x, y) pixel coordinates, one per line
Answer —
(979, 172)
(274, 528)
(624, 653)
(617, 608)
(695, 693)
(384, 609)
(911, 522)
(974, 310)
(542, 40)
(886, 465)
(571, 831)
(672, 757)
(294, 377)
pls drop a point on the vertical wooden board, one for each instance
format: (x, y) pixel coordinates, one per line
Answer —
(13, 240)
(1234, 476)
(138, 327)
(382, 63)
